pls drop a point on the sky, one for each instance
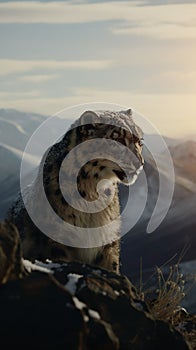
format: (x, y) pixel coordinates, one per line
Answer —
(139, 54)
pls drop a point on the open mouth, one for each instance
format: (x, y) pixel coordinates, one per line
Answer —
(120, 174)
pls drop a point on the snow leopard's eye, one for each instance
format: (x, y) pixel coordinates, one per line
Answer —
(115, 135)
(118, 137)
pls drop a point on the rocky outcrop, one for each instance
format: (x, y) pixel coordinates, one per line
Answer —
(11, 266)
(73, 306)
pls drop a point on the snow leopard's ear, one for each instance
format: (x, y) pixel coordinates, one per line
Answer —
(88, 117)
(129, 112)
(87, 123)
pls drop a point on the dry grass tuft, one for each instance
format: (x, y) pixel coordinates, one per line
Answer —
(164, 302)
(168, 295)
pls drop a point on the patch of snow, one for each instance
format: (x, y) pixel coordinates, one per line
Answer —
(35, 160)
(79, 304)
(94, 314)
(116, 292)
(122, 291)
(86, 318)
(48, 265)
(16, 125)
(182, 309)
(35, 267)
(72, 281)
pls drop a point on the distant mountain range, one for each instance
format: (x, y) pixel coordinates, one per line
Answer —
(15, 131)
(175, 232)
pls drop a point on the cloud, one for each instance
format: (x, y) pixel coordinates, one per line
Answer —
(8, 96)
(166, 2)
(62, 12)
(174, 21)
(159, 30)
(138, 18)
(8, 66)
(38, 78)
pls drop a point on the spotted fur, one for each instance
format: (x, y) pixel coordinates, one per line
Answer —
(103, 125)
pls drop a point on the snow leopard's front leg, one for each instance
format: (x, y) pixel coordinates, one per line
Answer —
(109, 257)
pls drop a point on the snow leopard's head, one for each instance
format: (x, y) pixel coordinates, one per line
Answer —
(117, 151)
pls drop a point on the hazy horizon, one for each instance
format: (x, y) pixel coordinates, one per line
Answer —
(188, 137)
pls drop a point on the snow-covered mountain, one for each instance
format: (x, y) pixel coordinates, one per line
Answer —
(15, 130)
(177, 231)
(184, 157)
(17, 127)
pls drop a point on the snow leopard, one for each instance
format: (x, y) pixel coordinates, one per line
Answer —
(105, 126)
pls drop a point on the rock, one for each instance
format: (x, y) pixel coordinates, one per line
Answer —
(10, 253)
(75, 306)
(46, 305)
